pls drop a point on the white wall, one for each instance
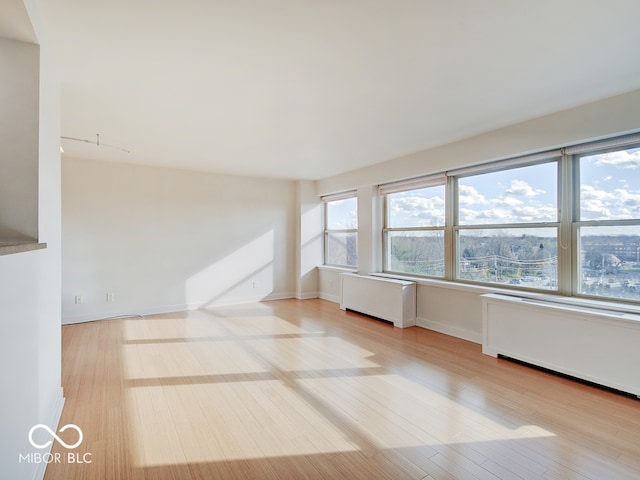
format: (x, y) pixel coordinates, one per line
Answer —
(596, 120)
(453, 308)
(30, 352)
(163, 239)
(309, 241)
(19, 83)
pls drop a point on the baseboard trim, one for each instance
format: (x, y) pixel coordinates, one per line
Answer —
(53, 422)
(330, 298)
(450, 330)
(307, 295)
(92, 317)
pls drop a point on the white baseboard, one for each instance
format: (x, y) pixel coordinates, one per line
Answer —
(95, 316)
(91, 317)
(52, 422)
(330, 298)
(307, 295)
(453, 331)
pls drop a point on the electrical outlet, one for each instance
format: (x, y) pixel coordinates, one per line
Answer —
(254, 284)
(78, 299)
(110, 298)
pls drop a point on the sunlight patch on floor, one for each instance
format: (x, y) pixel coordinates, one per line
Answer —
(221, 422)
(312, 353)
(147, 329)
(195, 359)
(394, 412)
(253, 325)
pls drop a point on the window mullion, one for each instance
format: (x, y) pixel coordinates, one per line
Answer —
(566, 245)
(451, 219)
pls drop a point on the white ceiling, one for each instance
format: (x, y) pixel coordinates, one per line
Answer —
(307, 89)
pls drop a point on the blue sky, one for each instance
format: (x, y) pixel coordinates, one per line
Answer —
(610, 189)
(611, 185)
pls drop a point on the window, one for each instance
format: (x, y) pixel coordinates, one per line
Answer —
(608, 223)
(414, 230)
(341, 230)
(507, 226)
(564, 221)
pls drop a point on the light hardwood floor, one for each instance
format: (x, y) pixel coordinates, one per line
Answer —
(301, 390)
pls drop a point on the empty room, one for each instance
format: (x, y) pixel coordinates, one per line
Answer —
(320, 240)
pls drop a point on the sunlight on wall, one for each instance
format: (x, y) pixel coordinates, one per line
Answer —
(311, 239)
(245, 274)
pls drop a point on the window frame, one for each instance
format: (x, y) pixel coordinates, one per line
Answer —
(401, 187)
(457, 228)
(567, 223)
(327, 199)
(575, 155)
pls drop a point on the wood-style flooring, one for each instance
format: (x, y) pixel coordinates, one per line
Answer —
(302, 390)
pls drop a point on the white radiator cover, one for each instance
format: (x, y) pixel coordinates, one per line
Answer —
(601, 346)
(385, 298)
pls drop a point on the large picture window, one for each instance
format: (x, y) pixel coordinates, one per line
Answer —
(507, 226)
(341, 230)
(608, 223)
(564, 221)
(414, 231)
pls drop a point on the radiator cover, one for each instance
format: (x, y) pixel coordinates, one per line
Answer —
(600, 346)
(385, 298)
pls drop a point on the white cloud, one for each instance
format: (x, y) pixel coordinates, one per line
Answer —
(507, 202)
(534, 214)
(520, 188)
(620, 159)
(518, 214)
(468, 195)
(587, 192)
(417, 211)
(599, 204)
(489, 215)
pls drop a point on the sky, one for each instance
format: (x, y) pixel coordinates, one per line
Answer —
(343, 214)
(610, 185)
(610, 189)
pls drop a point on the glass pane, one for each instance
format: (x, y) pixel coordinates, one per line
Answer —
(520, 195)
(342, 249)
(610, 261)
(610, 185)
(342, 214)
(419, 253)
(525, 257)
(416, 208)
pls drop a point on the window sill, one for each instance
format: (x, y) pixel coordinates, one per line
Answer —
(11, 248)
(331, 268)
(574, 302)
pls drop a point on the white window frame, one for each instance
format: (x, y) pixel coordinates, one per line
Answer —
(553, 156)
(327, 231)
(407, 186)
(568, 222)
(574, 154)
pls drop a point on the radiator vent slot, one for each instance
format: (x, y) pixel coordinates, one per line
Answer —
(569, 377)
